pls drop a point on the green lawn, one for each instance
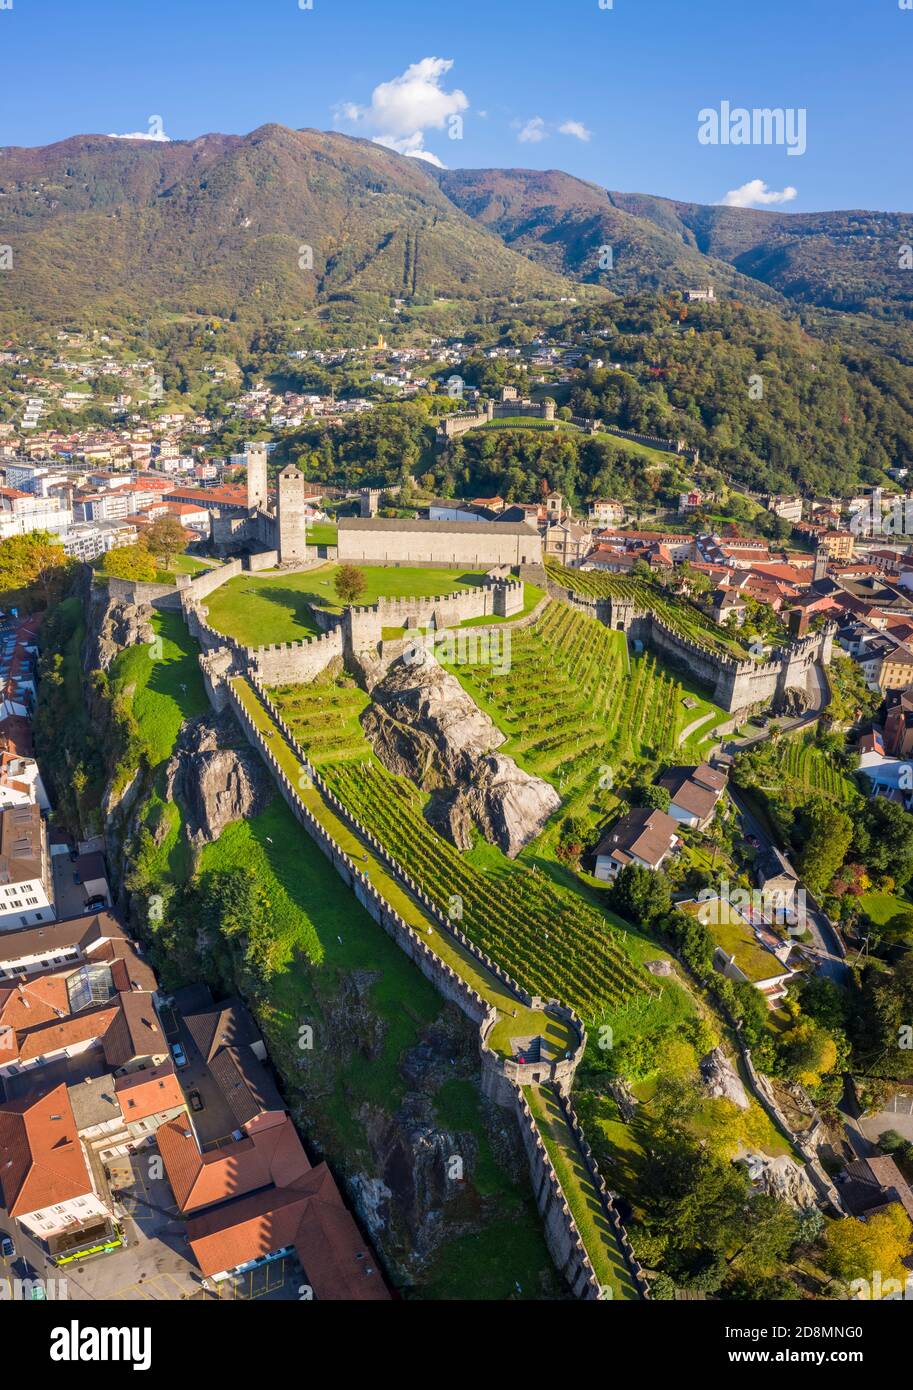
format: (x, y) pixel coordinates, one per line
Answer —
(322, 533)
(260, 609)
(164, 683)
(881, 907)
(581, 1194)
(257, 610)
(390, 582)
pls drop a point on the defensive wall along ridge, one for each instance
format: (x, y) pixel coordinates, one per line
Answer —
(463, 974)
(600, 1265)
(355, 630)
(735, 684)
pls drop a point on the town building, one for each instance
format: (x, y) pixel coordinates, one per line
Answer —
(642, 837)
(694, 793)
(26, 891)
(46, 1183)
(746, 949)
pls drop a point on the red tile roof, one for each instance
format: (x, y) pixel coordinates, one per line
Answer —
(43, 1163)
(272, 1155)
(311, 1216)
(144, 1093)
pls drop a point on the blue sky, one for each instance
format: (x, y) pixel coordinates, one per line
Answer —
(625, 83)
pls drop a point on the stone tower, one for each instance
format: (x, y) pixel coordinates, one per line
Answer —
(292, 524)
(256, 477)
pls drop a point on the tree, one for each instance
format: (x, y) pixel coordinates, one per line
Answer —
(855, 1249)
(807, 1052)
(166, 539)
(648, 794)
(884, 836)
(350, 582)
(640, 894)
(33, 567)
(132, 562)
(830, 832)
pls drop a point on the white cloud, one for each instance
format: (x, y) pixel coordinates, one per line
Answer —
(154, 131)
(533, 131)
(577, 129)
(412, 147)
(402, 109)
(755, 193)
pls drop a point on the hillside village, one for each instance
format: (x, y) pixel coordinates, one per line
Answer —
(691, 657)
(456, 816)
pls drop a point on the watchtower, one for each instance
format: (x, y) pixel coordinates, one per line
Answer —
(292, 521)
(256, 477)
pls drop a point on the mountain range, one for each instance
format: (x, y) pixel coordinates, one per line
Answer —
(230, 225)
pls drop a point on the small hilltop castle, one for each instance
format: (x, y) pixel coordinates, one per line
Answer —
(278, 537)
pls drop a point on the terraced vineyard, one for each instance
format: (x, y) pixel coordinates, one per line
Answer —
(612, 710)
(801, 761)
(678, 614)
(554, 945)
(325, 717)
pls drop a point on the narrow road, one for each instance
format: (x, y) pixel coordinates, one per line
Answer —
(694, 726)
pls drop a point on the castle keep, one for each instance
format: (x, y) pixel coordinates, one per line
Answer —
(279, 538)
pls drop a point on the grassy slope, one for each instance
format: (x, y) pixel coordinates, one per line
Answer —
(580, 1194)
(312, 909)
(261, 609)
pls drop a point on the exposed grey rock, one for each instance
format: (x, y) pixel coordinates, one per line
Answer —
(780, 1177)
(216, 777)
(116, 625)
(721, 1080)
(424, 726)
(424, 1170)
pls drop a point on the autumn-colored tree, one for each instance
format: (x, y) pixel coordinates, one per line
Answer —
(349, 583)
(34, 570)
(855, 1249)
(131, 562)
(166, 539)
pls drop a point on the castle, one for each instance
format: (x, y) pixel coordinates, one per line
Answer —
(279, 538)
(276, 537)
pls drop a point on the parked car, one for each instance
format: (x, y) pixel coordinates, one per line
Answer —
(179, 1055)
(196, 1100)
(7, 1248)
(96, 904)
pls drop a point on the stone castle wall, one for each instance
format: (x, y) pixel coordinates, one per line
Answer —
(365, 625)
(173, 595)
(562, 1235)
(736, 685)
(481, 548)
(357, 630)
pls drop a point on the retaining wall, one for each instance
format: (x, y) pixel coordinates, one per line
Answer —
(562, 1236)
(501, 1077)
(735, 685)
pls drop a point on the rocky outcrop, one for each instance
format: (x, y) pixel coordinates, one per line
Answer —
(721, 1081)
(780, 1177)
(425, 1169)
(216, 777)
(424, 726)
(115, 625)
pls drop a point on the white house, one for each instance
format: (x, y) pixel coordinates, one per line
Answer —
(45, 1180)
(641, 837)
